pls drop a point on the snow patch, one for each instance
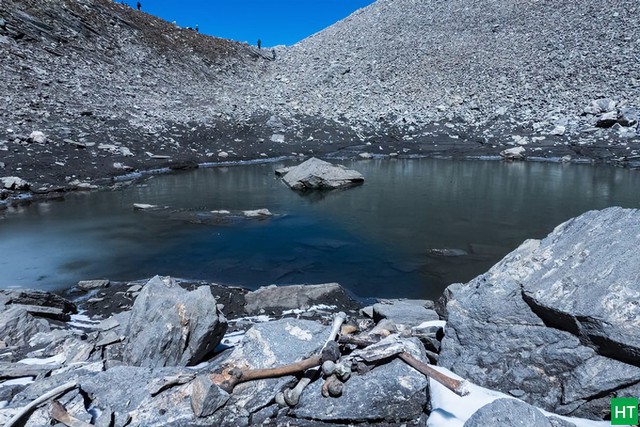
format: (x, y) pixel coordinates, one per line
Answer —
(58, 359)
(451, 410)
(17, 381)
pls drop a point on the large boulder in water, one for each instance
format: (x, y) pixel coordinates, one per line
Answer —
(170, 326)
(318, 174)
(555, 322)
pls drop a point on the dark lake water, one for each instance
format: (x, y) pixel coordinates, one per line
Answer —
(373, 239)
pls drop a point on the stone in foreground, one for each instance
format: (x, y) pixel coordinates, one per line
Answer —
(316, 174)
(508, 412)
(170, 326)
(556, 320)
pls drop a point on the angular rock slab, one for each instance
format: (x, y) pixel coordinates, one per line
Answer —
(17, 326)
(268, 345)
(390, 392)
(549, 323)
(170, 326)
(508, 412)
(587, 281)
(36, 298)
(277, 298)
(318, 174)
(405, 313)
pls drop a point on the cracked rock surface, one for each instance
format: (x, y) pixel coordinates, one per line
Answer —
(554, 323)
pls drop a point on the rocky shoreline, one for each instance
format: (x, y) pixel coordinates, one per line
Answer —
(548, 333)
(97, 91)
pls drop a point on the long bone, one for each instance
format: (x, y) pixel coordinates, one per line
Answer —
(393, 346)
(229, 378)
(291, 397)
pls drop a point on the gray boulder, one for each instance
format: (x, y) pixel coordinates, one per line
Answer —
(14, 183)
(36, 298)
(170, 326)
(267, 345)
(407, 313)
(38, 137)
(515, 153)
(318, 174)
(390, 392)
(607, 120)
(277, 298)
(555, 319)
(628, 116)
(17, 326)
(508, 413)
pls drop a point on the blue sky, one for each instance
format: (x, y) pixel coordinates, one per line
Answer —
(273, 21)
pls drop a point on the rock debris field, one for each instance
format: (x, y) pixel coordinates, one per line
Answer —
(94, 90)
(548, 335)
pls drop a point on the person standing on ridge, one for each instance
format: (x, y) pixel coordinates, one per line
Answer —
(139, 5)
(259, 43)
(197, 29)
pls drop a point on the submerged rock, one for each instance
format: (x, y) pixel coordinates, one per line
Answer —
(555, 319)
(318, 174)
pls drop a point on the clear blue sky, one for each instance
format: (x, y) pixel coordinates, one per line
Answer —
(273, 21)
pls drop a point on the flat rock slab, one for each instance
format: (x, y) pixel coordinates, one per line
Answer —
(586, 281)
(508, 412)
(318, 174)
(548, 321)
(267, 345)
(390, 392)
(36, 298)
(275, 299)
(405, 313)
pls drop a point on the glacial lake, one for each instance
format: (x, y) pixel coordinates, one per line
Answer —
(375, 239)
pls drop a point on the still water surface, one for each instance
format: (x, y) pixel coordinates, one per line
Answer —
(373, 239)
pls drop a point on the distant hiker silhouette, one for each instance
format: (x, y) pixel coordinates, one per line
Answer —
(139, 5)
(197, 28)
(259, 43)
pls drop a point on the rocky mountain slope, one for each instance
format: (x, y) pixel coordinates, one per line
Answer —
(115, 90)
(539, 61)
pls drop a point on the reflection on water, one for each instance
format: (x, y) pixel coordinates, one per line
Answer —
(374, 239)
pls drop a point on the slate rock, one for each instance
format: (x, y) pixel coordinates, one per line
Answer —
(87, 285)
(14, 183)
(206, 397)
(389, 392)
(38, 137)
(37, 298)
(17, 326)
(268, 345)
(318, 174)
(132, 399)
(515, 153)
(587, 281)
(278, 298)
(170, 326)
(553, 316)
(508, 412)
(607, 120)
(628, 116)
(404, 313)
